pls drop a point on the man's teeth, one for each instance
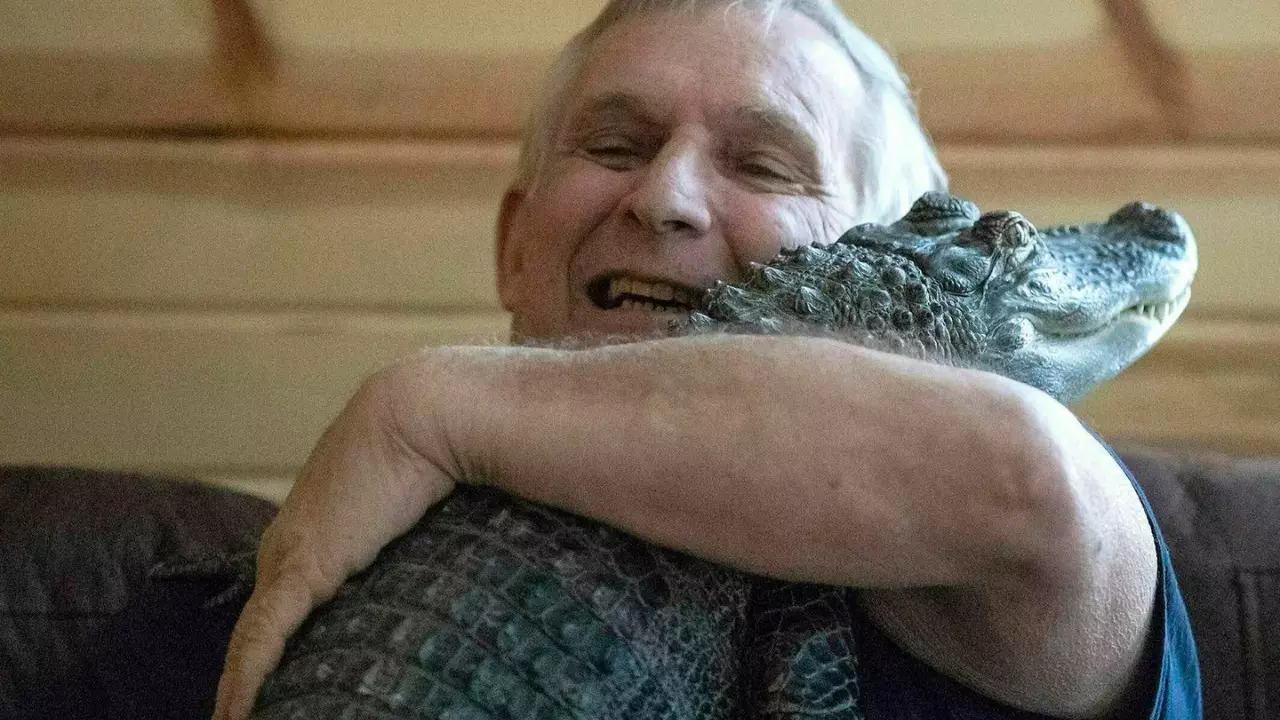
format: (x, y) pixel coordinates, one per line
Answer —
(643, 295)
(641, 305)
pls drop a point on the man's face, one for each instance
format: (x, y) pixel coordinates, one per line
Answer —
(690, 145)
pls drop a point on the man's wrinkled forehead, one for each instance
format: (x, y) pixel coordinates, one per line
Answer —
(787, 81)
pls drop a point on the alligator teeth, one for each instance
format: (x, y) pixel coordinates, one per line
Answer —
(648, 295)
(1158, 311)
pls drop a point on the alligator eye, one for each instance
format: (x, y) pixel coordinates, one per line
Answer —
(1003, 232)
(934, 205)
(1017, 233)
(1018, 239)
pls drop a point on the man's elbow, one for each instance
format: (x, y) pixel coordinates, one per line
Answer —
(1045, 508)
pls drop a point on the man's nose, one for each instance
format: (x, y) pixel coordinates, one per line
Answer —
(672, 198)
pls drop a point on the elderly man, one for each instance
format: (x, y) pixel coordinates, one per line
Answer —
(996, 540)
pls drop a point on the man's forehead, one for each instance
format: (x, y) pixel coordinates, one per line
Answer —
(788, 76)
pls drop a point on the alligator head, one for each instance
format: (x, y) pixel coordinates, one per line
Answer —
(1062, 310)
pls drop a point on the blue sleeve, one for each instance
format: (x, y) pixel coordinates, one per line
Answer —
(1178, 686)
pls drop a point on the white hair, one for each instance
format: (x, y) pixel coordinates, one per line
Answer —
(896, 161)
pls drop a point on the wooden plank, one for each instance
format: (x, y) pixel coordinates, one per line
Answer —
(315, 92)
(249, 223)
(44, 92)
(1209, 24)
(1236, 95)
(1079, 92)
(1208, 384)
(408, 225)
(152, 28)
(235, 394)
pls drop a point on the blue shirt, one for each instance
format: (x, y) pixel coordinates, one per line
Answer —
(898, 686)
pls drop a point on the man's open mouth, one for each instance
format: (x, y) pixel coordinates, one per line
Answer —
(618, 291)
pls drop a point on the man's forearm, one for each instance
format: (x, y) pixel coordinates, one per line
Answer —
(798, 458)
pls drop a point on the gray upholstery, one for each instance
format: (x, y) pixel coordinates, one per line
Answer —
(75, 549)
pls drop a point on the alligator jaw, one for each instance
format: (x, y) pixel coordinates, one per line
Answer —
(1069, 365)
(1157, 314)
(1160, 314)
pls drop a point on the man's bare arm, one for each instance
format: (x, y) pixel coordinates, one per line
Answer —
(798, 458)
(816, 460)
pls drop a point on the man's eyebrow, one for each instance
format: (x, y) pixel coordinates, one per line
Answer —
(777, 126)
(615, 106)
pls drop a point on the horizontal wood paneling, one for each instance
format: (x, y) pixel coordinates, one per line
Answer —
(194, 277)
(1080, 92)
(409, 225)
(236, 224)
(234, 394)
(1207, 384)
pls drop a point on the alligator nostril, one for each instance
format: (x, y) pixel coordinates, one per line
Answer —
(1133, 213)
(1153, 222)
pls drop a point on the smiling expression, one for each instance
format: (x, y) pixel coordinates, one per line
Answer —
(689, 146)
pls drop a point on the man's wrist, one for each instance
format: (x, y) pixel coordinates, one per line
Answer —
(444, 404)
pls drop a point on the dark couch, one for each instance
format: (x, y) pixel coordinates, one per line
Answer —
(85, 634)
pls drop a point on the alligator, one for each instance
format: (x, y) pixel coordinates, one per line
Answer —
(494, 607)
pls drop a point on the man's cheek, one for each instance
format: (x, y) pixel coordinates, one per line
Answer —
(772, 232)
(810, 226)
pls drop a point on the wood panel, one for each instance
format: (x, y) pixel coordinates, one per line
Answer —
(1207, 384)
(409, 225)
(1080, 92)
(248, 223)
(228, 394)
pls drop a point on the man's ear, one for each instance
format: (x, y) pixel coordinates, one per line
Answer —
(510, 250)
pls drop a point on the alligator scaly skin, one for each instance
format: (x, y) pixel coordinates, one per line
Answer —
(492, 607)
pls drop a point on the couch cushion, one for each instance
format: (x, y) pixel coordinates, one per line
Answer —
(75, 549)
(1221, 518)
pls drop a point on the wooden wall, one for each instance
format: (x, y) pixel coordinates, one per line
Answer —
(201, 256)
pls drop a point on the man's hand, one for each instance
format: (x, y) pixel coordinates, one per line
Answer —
(362, 486)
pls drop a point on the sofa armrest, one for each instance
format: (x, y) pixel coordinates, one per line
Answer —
(76, 546)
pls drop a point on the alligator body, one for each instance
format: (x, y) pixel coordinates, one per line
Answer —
(492, 607)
